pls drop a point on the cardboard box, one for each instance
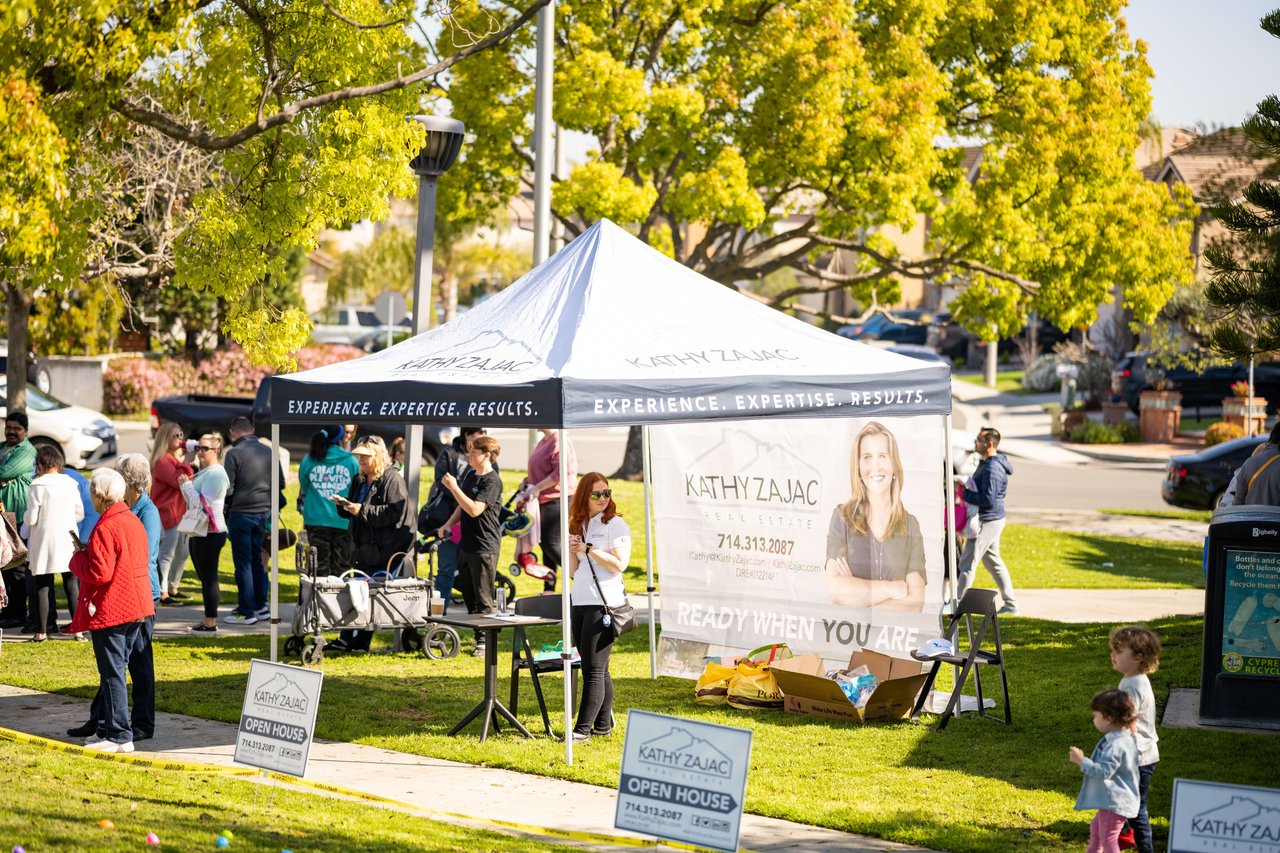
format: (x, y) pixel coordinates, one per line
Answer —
(807, 690)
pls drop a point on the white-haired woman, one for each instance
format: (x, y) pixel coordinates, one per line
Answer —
(380, 513)
(115, 600)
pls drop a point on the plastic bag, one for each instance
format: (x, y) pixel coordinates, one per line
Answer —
(753, 688)
(713, 685)
(858, 684)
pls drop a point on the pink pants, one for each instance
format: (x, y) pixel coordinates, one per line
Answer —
(1104, 832)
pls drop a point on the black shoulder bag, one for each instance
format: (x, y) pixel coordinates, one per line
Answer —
(622, 617)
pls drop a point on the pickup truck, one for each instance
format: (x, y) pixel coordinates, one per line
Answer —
(199, 414)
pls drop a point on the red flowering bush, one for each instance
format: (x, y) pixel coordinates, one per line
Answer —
(318, 355)
(130, 384)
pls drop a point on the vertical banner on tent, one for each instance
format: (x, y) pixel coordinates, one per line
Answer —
(824, 534)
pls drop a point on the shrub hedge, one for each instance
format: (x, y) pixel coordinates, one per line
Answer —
(130, 383)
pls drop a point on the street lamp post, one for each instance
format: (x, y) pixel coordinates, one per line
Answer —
(444, 140)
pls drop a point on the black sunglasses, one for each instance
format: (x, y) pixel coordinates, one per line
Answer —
(200, 448)
(604, 493)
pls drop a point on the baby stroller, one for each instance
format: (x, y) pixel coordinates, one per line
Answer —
(367, 602)
(524, 525)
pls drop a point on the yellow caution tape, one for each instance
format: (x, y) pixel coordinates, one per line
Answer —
(191, 767)
(126, 758)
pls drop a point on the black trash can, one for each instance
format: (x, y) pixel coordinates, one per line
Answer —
(1240, 678)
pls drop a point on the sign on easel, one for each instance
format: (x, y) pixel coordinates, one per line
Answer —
(1217, 817)
(683, 780)
(278, 718)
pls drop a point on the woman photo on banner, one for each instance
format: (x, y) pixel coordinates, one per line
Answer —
(875, 551)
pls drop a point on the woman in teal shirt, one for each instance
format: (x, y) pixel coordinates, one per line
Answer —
(325, 471)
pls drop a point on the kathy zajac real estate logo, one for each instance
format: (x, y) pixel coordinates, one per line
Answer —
(1209, 816)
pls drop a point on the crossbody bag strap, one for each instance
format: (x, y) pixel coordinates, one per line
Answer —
(592, 567)
(1273, 458)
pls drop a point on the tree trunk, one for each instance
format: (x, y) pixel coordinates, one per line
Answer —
(19, 312)
(633, 459)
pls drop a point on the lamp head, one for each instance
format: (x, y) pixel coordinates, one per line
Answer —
(444, 141)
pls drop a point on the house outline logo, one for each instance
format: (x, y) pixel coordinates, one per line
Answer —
(680, 749)
(281, 693)
(801, 489)
(1241, 819)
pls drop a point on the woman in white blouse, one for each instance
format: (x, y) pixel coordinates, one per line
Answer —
(54, 512)
(601, 544)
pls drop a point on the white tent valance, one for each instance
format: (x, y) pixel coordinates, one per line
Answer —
(611, 332)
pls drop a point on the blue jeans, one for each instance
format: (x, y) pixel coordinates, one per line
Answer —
(1142, 823)
(111, 647)
(247, 531)
(447, 569)
(142, 670)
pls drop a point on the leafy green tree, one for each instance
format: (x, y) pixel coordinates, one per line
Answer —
(1245, 283)
(385, 264)
(300, 103)
(746, 137)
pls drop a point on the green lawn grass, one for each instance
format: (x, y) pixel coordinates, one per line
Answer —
(1007, 381)
(1040, 558)
(1203, 515)
(55, 801)
(977, 786)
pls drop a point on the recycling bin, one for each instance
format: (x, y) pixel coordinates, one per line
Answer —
(1240, 675)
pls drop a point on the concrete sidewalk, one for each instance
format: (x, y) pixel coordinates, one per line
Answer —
(481, 793)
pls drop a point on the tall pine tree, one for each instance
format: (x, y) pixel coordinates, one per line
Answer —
(1245, 266)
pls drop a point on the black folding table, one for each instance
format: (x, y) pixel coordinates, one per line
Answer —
(490, 625)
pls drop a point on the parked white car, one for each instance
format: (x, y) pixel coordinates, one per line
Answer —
(85, 436)
(345, 324)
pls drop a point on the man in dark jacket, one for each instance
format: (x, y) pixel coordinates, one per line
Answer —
(249, 512)
(990, 482)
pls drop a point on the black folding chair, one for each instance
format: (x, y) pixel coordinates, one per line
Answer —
(547, 606)
(980, 603)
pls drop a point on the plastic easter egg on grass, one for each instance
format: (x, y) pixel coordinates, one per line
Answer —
(18, 848)
(107, 823)
(222, 842)
(153, 839)
(228, 834)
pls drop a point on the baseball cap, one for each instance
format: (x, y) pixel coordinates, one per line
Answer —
(935, 648)
(333, 432)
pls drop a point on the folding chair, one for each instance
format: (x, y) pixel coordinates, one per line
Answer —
(979, 603)
(547, 606)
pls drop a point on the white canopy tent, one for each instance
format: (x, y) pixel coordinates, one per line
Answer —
(611, 332)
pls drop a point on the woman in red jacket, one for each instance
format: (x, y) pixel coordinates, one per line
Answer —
(115, 600)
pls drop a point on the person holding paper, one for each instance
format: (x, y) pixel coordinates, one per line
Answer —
(875, 551)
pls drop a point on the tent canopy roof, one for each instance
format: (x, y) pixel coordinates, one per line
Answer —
(607, 332)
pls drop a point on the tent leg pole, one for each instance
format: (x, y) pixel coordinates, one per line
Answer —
(950, 504)
(648, 538)
(275, 541)
(566, 630)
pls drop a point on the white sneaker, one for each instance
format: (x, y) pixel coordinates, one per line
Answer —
(264, 613)
(92, 739)
(108, 746)
(238, 619)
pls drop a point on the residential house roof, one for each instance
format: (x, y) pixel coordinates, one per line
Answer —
(1215, 166)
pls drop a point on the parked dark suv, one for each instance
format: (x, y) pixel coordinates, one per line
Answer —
(1204, 389)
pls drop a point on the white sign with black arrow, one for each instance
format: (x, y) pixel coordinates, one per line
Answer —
(683, 780)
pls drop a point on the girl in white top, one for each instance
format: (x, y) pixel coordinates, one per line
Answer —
(601, 544)
(54, 513)
(211, 483)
